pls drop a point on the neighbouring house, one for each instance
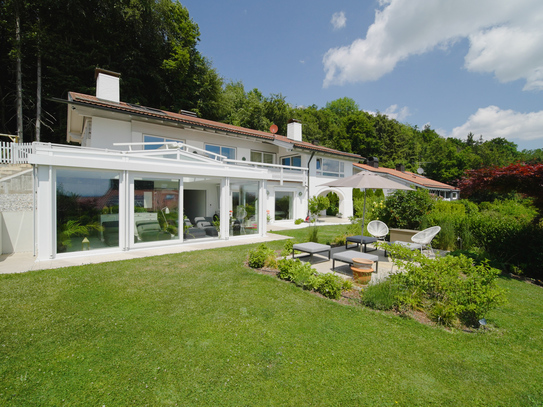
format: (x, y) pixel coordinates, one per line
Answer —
(137, 177)
(402, 176)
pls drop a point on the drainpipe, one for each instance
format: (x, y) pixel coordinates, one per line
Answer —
(308, 171)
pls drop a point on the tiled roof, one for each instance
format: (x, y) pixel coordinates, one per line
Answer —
(408, 176)
(93, 101)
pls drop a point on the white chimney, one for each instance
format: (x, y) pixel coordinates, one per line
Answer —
(294, 130)
(107, 85)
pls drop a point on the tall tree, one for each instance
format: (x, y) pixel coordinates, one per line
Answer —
(521, 178)
(152, 43)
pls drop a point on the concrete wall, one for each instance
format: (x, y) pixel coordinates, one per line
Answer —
(16, 232)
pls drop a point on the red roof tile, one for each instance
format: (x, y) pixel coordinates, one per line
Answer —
(408, 176)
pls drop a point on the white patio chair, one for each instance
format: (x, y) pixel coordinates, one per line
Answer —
(424, 238)
(378, 229)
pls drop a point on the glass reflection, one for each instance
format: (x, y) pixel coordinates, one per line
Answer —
(87, 209)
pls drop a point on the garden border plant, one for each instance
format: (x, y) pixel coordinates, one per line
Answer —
(301, 274)
(451, 290)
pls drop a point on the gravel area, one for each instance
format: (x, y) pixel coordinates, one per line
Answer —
(15, 202)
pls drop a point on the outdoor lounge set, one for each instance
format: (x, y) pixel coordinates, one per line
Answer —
(379, 230)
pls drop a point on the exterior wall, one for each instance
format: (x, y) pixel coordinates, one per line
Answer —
(105, 132)
(16, 232)
(345, 194)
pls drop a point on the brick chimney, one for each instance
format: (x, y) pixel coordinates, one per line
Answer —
(294, 130)
(107, 85)
(373, 162)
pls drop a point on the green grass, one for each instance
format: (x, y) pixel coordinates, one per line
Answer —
(201, 329)
(326, 234)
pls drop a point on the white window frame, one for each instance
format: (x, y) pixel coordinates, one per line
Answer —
(319, 164)
(221, 150)
(262, 156)
(290, 157)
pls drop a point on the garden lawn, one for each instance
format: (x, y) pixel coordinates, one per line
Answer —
(326, 234)
(200, 328)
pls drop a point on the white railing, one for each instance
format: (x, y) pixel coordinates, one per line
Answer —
(278, 172)
(14, 153)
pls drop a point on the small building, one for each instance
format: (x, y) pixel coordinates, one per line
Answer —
(402, 176)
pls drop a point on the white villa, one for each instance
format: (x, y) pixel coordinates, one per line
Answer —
(138, 177)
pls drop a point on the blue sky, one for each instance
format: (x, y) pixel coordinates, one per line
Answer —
(460, 66)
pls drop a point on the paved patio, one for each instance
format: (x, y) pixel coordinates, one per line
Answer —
(321, 263)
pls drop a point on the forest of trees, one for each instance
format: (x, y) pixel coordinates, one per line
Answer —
(49, 48)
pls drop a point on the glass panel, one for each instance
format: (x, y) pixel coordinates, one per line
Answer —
(331, 168)
(213, 149)
(256, 156)
(87, 210)
(153, 139)
(156, 210)
(201, 207)
(268, 158)
(244, 219)
(295, 161)
(228, 152)
(283, 205)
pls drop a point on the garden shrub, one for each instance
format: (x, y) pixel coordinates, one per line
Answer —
(328, 285)
(448, 288)
(406, 209)
(304, 276)
(333, 199)
(262, 257)
(296, 271)
(347, 285)
(317, 204)
(287, 248)
(339, 240)
(298, 221)
(383, 295)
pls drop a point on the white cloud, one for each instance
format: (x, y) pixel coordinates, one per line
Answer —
(506, 38)
(400, 115)
(492, 122)
(338, 20)
(393, 113)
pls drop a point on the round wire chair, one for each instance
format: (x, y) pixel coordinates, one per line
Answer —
(425, 237)
(378, 229)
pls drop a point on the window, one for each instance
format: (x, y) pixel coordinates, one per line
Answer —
(245, 208)
(154, 139)
(294, 161)
(261, 157)
(87, 208)
(330, 168)
(228, 152)
(156, 209)
(283, 205)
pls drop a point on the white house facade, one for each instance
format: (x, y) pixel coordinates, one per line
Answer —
(142, 177)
